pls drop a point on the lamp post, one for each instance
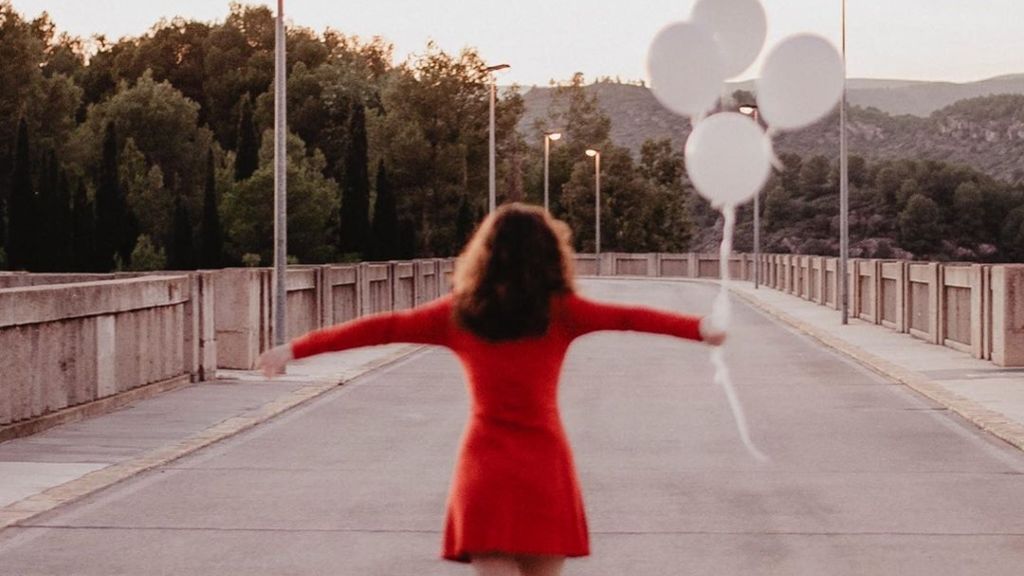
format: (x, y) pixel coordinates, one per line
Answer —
(549, 137)
(492, 184)
(596, 155)
(751, 110)
(280, 180)
(844, 193)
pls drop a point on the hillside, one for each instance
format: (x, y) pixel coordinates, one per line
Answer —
(985, 132)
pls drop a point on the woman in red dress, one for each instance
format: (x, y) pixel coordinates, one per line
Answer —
(515, 506)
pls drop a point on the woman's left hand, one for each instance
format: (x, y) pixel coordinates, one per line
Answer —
(273, 361)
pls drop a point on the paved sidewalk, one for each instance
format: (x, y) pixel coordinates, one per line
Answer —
(990, 396)
(68, 462)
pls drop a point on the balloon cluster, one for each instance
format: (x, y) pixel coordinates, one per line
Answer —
(728, 155)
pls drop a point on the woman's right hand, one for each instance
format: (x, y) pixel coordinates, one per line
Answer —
(710, 332)
(273, 361)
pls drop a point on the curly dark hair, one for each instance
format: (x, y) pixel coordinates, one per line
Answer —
(518, 258)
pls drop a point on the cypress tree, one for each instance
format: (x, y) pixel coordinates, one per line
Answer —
(180, 257)
(108, 204)
(407, 239)
(463, 223)
(47, 245)
(385, 218)
(23, 205)
(247, 146)
(3, 214)
(83, 231)
(63, 237)
(355, 196)
(212, 238)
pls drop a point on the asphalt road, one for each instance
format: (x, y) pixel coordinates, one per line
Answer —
(865, 477)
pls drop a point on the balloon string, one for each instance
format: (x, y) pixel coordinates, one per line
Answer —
(772, 156)
(720, 315)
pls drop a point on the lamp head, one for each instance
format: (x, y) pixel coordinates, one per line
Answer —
(591, 152)
(554, 136)
(748, 109)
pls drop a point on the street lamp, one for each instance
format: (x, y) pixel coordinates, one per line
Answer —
(596, 155)
(549, 137)
(751, 110)
(280, 181)
(492, 197)
(844, 194)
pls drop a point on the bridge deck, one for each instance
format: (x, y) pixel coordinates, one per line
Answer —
(866, 476)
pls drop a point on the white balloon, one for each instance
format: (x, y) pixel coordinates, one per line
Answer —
(801, 81)
(728, 158)
(684, 68)
(739, 27)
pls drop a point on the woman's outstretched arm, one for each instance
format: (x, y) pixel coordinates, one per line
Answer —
(591, 316)
(426, 324)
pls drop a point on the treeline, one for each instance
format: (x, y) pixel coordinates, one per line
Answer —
(920, 209)
(156, 152)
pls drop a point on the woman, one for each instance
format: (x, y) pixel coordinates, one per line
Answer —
(514, 506)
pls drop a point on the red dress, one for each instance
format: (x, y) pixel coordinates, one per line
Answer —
(514, 488)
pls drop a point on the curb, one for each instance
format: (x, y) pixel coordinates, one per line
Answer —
(988, 420)
(76, 489)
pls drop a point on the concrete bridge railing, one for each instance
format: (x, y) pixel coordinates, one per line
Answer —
(70, 339)
(64, 345)
(973, 308)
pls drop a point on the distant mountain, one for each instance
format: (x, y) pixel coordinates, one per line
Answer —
(916, 97)
(980, 124)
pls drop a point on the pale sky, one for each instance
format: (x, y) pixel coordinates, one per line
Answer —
(954, 40)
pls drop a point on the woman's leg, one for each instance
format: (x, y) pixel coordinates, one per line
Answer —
(496, 565)
(541, 565)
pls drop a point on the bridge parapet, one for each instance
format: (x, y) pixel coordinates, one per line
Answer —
(72, 339)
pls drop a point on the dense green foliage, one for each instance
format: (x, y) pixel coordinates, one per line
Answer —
(898, 208)
(169, 137)
(157, 151)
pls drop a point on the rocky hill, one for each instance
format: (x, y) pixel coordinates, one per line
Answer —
(983, 131)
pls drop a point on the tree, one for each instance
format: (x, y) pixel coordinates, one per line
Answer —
(247, 148)
(1011, 237)
(23, 222)
(919, 226)
(211, 235)
(355, 196)
(83, 232)
(147, 199)
(968, 215)
(463, 222)
(385, 218)
(49, 252)
(20, 77)
(146, 256)
(181, 257)
(660, 164)
(778, 208)
(814, 177)
(248, 207)
(436, 134)
(162, 123)
(109, 204)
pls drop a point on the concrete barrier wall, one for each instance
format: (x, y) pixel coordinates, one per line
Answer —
(1006, 331)
(69, 344)
(70, 339)
(973, 308)
(318, 296)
